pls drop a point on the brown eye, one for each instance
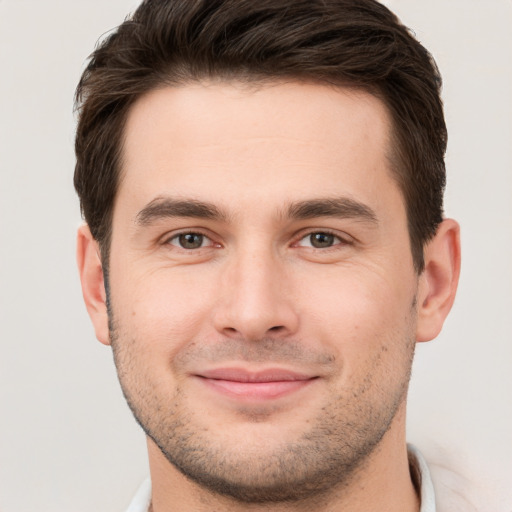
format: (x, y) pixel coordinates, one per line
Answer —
(321, 240)
(189, 240)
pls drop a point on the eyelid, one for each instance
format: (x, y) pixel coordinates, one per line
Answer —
(168, 237)
(344, 238)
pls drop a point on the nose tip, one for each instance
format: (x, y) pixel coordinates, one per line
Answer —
(255, 303)
(255, 324)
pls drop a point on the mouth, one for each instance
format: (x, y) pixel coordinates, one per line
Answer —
(261, 385)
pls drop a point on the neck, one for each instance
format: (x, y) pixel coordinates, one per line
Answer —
(382, 483)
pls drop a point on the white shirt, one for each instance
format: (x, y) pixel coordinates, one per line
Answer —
(419, 468)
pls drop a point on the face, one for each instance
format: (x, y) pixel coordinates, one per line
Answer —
(261, 283)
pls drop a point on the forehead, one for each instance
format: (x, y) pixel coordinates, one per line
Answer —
(230, 143)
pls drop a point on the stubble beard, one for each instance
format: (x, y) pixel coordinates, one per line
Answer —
(329, 454)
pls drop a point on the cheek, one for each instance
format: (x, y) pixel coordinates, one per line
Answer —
(358, 312)
(163, 308)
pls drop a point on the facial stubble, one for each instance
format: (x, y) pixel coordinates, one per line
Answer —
(331, 451)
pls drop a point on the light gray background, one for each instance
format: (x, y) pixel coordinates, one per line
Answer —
(67, 440)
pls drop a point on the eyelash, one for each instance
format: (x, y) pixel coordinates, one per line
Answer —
(338, 240)
(176, 236)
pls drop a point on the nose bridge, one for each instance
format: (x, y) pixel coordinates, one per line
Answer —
(255, 302)
(256, 273)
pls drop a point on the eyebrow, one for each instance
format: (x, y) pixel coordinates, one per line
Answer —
(167, 207)
(343, 207)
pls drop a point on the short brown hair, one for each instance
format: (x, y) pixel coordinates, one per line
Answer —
(358, 43)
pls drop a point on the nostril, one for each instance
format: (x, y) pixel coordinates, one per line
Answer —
(276, 328)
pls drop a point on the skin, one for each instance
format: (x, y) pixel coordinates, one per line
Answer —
(270, 172)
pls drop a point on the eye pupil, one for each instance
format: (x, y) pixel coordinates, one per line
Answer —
(191, 240)
(321, 240)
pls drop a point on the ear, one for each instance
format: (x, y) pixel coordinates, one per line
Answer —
(93, 287)
(438, 282)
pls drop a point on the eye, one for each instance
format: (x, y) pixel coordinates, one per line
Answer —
(190, 241)
(320, 240)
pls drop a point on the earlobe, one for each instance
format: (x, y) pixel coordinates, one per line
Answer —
(438, 282)
(93, 287)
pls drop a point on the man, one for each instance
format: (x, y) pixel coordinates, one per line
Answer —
(262, 184)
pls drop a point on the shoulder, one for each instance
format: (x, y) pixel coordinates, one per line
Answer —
(453, 488)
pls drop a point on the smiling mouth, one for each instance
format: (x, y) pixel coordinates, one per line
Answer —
(263, 385)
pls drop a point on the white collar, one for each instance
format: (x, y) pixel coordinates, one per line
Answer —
(421, 475)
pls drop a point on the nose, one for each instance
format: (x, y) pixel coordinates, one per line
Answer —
(255, 298)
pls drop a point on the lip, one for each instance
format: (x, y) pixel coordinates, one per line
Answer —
(266, 384)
